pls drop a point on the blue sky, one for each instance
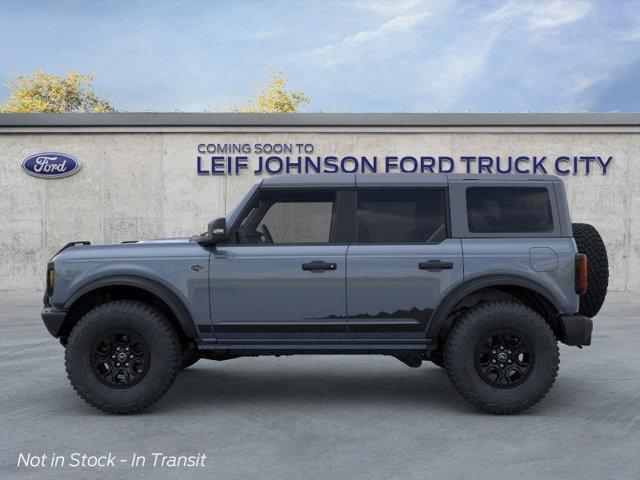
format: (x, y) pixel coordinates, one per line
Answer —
(348, 56)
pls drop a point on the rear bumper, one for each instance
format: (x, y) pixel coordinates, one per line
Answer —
(53, 319)
(576, 330)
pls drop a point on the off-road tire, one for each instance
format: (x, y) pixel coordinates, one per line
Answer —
(590, 243)
(189, 357)
(465, 336)
(165, 355)
(437, 358)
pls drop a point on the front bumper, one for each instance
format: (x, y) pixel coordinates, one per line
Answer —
(576, 330)
(53, 319)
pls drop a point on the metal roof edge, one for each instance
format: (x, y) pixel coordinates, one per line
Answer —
(121, 119)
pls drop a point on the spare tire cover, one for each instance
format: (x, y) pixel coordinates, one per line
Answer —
(590, 243)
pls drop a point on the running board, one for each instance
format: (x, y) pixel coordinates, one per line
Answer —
(316, 347)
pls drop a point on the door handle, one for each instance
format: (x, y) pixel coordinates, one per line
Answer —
(435, 265)
(319, 265)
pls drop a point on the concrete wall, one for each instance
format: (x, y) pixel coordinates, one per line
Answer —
(143, 185)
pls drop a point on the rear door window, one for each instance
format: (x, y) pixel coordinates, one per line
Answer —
(509, 210)
(401, 216)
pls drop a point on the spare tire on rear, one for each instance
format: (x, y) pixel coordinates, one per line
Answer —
(590, 243)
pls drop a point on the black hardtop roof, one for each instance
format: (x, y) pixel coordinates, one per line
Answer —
(391, 180)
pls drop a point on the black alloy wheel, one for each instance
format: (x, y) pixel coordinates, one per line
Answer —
(120, 359)
(504, 358)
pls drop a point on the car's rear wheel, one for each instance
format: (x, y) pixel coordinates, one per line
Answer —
(501, 357)
(122, 356)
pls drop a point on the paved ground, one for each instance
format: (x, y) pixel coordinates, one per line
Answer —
(329, 417)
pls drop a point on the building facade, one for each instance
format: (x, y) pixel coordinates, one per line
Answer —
(148, 175)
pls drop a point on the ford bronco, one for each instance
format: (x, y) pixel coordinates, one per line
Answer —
(481, 275)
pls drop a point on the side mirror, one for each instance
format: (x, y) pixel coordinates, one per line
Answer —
(216, 233)
(217, 230)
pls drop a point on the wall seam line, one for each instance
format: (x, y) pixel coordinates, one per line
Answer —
(162, 155)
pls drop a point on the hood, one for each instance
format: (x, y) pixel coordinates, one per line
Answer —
(160, 240)
(85, 250)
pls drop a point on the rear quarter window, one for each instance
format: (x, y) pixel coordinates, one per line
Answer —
(509, 210)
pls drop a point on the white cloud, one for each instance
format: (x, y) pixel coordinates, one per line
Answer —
(565, 68)
(577, 83)
(558, 12)
(398, 24)
(632, 14)
(507, 11)
(540, 15)
(390, 7)
(451, 73)
(518, 56)
(391, 37)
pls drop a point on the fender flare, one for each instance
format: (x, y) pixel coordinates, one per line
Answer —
(459, 293)
(176, 306)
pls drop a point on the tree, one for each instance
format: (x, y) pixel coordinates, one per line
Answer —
(42, 92)
(274, 98)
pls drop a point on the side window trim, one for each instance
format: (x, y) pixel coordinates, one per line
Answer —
(233, 231)
(346, 216)
(445, 205)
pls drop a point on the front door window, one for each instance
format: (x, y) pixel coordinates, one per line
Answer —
(278, 217)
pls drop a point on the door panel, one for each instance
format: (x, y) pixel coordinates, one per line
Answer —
(264, 290)
(402, 262)
(389, 295)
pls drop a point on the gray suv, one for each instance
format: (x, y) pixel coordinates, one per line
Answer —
(481, 275)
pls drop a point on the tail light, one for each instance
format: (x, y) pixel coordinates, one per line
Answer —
(581, 273)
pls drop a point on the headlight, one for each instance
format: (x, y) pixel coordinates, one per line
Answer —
(51, 278)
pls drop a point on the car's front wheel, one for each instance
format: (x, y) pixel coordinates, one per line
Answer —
(122, 356)
(501, 356)
(189, 357)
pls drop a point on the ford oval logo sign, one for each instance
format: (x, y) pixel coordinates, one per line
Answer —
(51, 165)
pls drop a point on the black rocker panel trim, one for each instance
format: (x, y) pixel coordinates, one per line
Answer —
(285, 346)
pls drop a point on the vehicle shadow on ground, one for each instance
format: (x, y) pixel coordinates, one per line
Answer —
(204, 386)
